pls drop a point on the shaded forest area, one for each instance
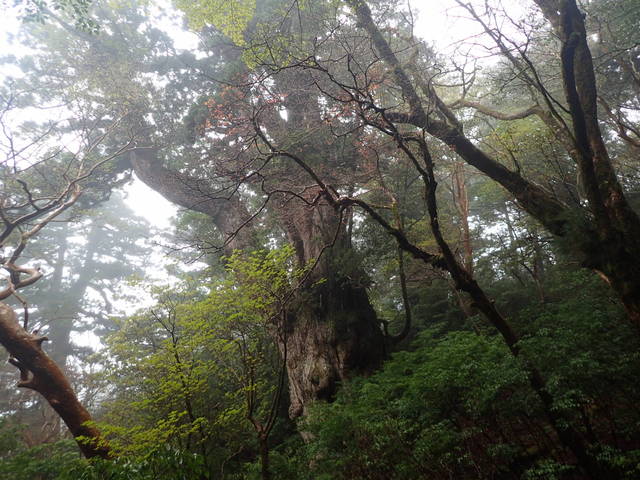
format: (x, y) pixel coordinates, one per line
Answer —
(388, 262)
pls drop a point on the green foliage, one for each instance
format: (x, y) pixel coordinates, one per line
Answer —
(77, 10)
(406, 420)
(458, 405)
(265, 30)
(164, 464)
(286, 463)
(185, 368)
(230, 17)
(588, 363)
(547, 470)
(49, 461)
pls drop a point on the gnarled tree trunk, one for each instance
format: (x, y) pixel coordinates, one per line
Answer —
(332, 331)
(331, 336)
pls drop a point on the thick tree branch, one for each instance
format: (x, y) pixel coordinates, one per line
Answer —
(38, 372)
(486, 110)
(225, 209)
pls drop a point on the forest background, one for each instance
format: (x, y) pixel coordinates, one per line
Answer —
(388, 262)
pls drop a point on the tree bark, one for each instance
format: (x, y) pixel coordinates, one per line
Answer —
(225, 209)
(332, 335)
(40, 373)
(265, 468)
(332, 331)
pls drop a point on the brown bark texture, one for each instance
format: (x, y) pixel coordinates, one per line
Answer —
(41, 374)
(332, 332)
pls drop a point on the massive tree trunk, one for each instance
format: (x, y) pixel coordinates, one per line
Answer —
(332, 332)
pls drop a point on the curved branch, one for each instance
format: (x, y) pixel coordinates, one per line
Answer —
(527, 112)
(34, 276)
(533, 198)
(226, 211)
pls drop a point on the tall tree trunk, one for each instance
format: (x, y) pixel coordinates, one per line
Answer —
(461, 200)
(332, 331)
(332, 335)
(265, 467)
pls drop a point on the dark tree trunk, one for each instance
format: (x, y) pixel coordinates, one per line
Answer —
(265, 469)
(332, 331)
(332, 335)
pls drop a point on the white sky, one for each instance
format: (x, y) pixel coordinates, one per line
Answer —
(150, 205)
